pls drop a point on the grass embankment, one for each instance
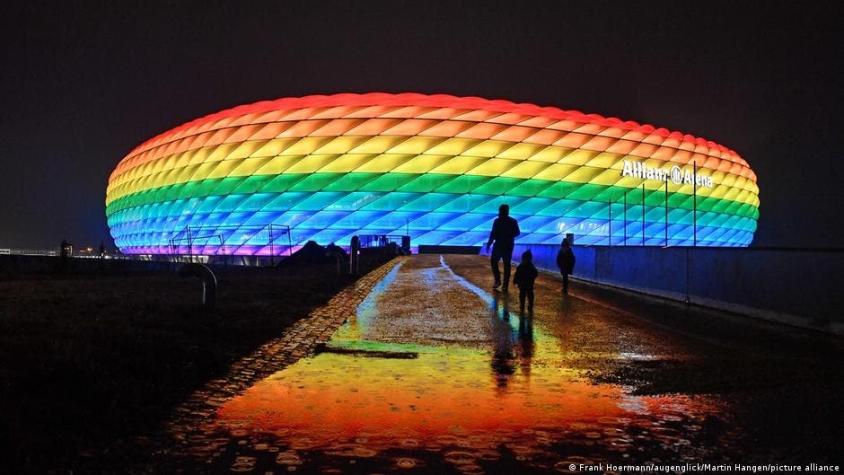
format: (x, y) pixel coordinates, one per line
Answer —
(86, 360)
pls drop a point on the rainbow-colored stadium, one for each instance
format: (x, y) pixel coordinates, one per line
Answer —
(434, 167)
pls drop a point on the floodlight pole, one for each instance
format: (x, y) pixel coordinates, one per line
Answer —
(624, 224)
(666, 212)
(694, 206)
(643, 214)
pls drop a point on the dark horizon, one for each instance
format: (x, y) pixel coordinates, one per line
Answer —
(84, 85)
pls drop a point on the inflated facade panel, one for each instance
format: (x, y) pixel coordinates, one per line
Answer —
(435, 167)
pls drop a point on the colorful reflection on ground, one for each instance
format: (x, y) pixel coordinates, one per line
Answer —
(436, 374)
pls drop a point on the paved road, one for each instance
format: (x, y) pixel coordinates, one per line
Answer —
(438, 373)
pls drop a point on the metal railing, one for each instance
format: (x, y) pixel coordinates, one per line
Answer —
(201, 235)
(383, 240)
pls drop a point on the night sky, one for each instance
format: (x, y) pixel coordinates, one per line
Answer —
(84, 82)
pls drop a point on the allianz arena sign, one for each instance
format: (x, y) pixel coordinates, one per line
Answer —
(675, 174)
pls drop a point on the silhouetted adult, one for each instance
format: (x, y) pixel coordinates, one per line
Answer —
(565, 261)
(502, 239)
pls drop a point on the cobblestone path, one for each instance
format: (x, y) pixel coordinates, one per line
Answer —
(299, 341)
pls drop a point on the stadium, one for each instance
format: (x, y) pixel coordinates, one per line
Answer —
(265, 178)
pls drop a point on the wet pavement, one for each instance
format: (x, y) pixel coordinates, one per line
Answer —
(432, 371)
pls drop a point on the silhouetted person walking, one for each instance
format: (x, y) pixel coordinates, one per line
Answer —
(503, 235)
(565, 261)
(65, 251)
(525, 276)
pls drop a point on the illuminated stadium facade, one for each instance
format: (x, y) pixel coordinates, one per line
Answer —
(434, 167)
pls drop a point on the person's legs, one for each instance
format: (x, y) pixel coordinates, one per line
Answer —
(493, 260)
(565, 282)
(508, 256)
(522, 293)
(529, 299)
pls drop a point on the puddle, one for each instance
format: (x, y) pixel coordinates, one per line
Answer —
(486, 389)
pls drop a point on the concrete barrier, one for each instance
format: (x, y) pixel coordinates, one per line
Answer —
(799, 287)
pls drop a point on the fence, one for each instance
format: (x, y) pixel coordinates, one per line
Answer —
(794, 286)
(227, 240)
(382, 240)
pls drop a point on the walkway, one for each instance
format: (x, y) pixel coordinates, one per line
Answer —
(435, 372)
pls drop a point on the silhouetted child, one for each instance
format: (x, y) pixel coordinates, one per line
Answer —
(525, 275)
(565, 261)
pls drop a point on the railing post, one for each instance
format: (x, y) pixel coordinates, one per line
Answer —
(289, 241)
(272, 254)
(354, 256)
(208, 279)
(190, 245)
